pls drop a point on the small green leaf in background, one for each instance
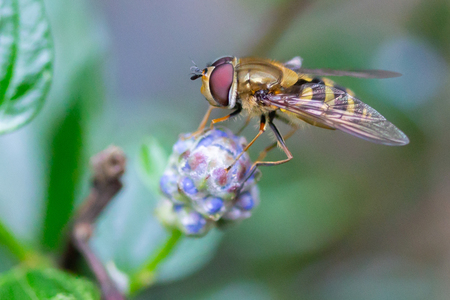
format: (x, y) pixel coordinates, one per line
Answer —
(8, 239)
(152, 161)
(46, 284)
(64, 175)
(26, 61)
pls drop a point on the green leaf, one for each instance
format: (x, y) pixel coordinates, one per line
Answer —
(8, 239)
(46, 284)
(26, 61)
(76, 101)
(152, 162)
(65, 172)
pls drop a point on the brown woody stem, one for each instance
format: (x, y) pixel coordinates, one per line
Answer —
(108, 167)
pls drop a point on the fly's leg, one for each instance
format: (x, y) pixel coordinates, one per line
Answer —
(263, 153)
(234, 113)
(205, 119)
(283, 146)
(262, 128)
(202, 125)
(259, 95)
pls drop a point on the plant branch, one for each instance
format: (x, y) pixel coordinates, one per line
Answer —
(286, 14)
(108, 167)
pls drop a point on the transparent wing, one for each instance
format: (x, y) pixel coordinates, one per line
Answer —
(352, 73)
(331, 107)
(294, 64)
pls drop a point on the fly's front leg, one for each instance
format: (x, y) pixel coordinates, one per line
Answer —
(234, 113)
(205, 119)
(262, 128)
(202, 125)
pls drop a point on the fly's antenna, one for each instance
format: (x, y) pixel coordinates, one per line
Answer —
(195, 71)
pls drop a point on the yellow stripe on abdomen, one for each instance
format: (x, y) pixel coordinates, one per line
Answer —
(350, 92)
(328, 82)
(307, 93)
(350, 105)
(329, 95)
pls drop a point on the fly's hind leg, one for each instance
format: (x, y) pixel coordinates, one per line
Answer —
(263, 153)
(262, 128)
(283, 146)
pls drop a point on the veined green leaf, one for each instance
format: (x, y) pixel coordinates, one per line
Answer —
(26, 61)
(46, 284)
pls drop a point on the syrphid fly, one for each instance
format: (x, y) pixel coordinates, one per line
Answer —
(271, 90)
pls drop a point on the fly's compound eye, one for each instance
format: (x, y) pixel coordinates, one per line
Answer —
(220, 83)
(222, 60)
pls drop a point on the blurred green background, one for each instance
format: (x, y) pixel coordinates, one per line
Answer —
(345, 219)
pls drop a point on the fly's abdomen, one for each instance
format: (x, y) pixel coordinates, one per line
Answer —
(326, 93)
(325, 81)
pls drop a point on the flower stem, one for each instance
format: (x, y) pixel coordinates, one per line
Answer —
(146, 275)
(8, 239)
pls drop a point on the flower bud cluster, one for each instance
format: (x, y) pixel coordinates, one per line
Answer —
(199, 192)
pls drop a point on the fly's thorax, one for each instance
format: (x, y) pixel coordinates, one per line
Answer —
(255, 74)
(255, 79)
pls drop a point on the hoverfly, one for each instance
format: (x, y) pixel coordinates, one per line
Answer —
(272, 90)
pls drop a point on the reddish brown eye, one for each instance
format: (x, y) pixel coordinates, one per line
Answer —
(222, 60)
(220, 83)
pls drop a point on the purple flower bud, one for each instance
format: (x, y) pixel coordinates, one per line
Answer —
(188, 186)
(168, 183)
(213, 205)
(206, 141)
(245, 201)
(220, 133)
(186, 167)
(177, 207)
(199, 187)
(193, 223)
(182, 145)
